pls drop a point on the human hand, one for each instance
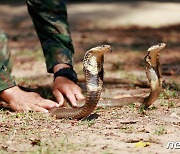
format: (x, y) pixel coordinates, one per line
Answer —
(64, 86)
(19, 100)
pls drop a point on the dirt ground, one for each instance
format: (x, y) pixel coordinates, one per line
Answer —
(130, 27)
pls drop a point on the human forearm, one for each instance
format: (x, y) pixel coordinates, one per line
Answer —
(50, 20)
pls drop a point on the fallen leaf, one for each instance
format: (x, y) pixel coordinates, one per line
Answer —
(142, 144)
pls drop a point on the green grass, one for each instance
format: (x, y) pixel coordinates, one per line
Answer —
(56, 146)
(37, 130)
(127, 129)
(132, 106)
(164, 103)
(160, 130)
(141, 109)
(152, 108)
(98, 109)
(88, 123)
(169, 104)
(168, 93)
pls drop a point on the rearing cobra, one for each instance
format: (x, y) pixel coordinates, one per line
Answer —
(93, 71)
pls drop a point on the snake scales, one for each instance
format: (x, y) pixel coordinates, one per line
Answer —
(93, 71)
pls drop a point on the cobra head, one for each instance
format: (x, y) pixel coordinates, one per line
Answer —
(157, 48)
(153, 52)
(101, 50)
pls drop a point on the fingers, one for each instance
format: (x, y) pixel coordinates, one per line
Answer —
(47, 104)
(64, 86)
(72, 96)
(28, 107)
(72, 99)
(79, 96)
(38, 108)
(59, 96)
(19, 107)
(20, 100)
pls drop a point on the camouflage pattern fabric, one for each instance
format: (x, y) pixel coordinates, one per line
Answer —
(50, 21)
(6, 80)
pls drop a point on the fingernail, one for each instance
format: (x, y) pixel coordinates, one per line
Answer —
(46, 111)
(57, 105)
(60, 103)
(75, 105)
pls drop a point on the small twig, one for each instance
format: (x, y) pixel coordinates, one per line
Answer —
(128, 122)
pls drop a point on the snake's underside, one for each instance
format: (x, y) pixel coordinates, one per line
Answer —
(93, 71)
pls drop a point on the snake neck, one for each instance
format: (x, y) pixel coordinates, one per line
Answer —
(153, 71)
(154, 77)
(93, 72)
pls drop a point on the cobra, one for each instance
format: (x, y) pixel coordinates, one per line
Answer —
(93, 71)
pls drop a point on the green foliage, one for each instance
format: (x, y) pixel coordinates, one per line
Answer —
(164, 103)
(142, 109)
(132, 106)
(160, 130)
(87, 122)
(171, 104)
(127, 129)
(167, 93)
(152, 107)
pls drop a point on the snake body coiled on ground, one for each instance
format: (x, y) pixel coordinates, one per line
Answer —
(93, 71)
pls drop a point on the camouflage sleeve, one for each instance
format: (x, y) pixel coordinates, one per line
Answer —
(6, 80)
(50, 21)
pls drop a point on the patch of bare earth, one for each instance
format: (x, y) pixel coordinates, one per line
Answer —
(108, 130)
